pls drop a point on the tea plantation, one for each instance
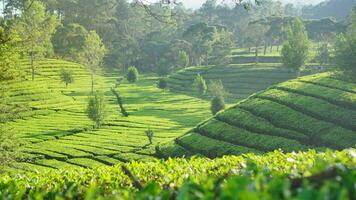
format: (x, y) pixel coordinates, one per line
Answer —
(317, 111)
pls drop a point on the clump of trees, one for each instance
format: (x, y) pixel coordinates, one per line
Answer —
(66, 77)
(132, 74)
(200, 85)
(96, 108)
(345, 49)
(295, 51)
(217, 91)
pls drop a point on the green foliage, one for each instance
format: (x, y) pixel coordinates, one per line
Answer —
(163, 67)
(183, 59)
(149, 133)
(248, 177)
(92, 54)
(200, 85)
(345, 49)
(96, 109)
(162, 83)
(217, 104)
(295, 51)
(66, 77)
(35, 28)
(9, 56)
(132, 74)
(323, 55)
(216, 89)
(69, 40)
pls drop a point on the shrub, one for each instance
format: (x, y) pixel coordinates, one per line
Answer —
(132, 74)
(295, 51)
(216, 88)
(163, 67)
(183, 59)
(162, 83)
(67, 77)
(200, 85)
(96, 108)
(217, 104)
(149, 134)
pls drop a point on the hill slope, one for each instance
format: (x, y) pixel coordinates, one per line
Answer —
(52, 124)
(311, 112)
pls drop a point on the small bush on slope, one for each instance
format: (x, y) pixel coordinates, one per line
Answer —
(132, 74)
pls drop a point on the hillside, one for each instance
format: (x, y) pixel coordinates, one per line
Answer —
(315, 111)
(51, 122)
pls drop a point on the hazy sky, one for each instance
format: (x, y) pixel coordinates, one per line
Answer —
(198, 3)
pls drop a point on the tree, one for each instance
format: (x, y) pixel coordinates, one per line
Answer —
(35, 28)
(255, 34)
(345, 52)
(162, 83)
(92, 55)
(183, 59)
(222, 45)
(9, 56)
(149, 134)
(200, 85)
(132, 74)
(296, 50)
(96, 108)
(216, 89)
(66, 77)
(69, 41)
(217, 104)
(323, 54)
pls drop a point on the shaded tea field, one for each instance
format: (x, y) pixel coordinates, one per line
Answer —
(51, 122)
(317, 111)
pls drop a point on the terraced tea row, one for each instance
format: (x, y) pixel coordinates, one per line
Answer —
(240, 81)
(57, 133)
(308, 112)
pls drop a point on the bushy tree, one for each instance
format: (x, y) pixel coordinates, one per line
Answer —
(92, 54)
(9, 56)
(296, 50)
(216, 88)
(66, 77)
(96, 108)
(222, 46)
(69, 41)
(162, 83)
(200, 85)
(345, 49)
(132, 74)
(323, 54)
(217, 104)
(35, 28)
(164, 67)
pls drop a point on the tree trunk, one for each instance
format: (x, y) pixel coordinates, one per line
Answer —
(33, 65)
(271, 48)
